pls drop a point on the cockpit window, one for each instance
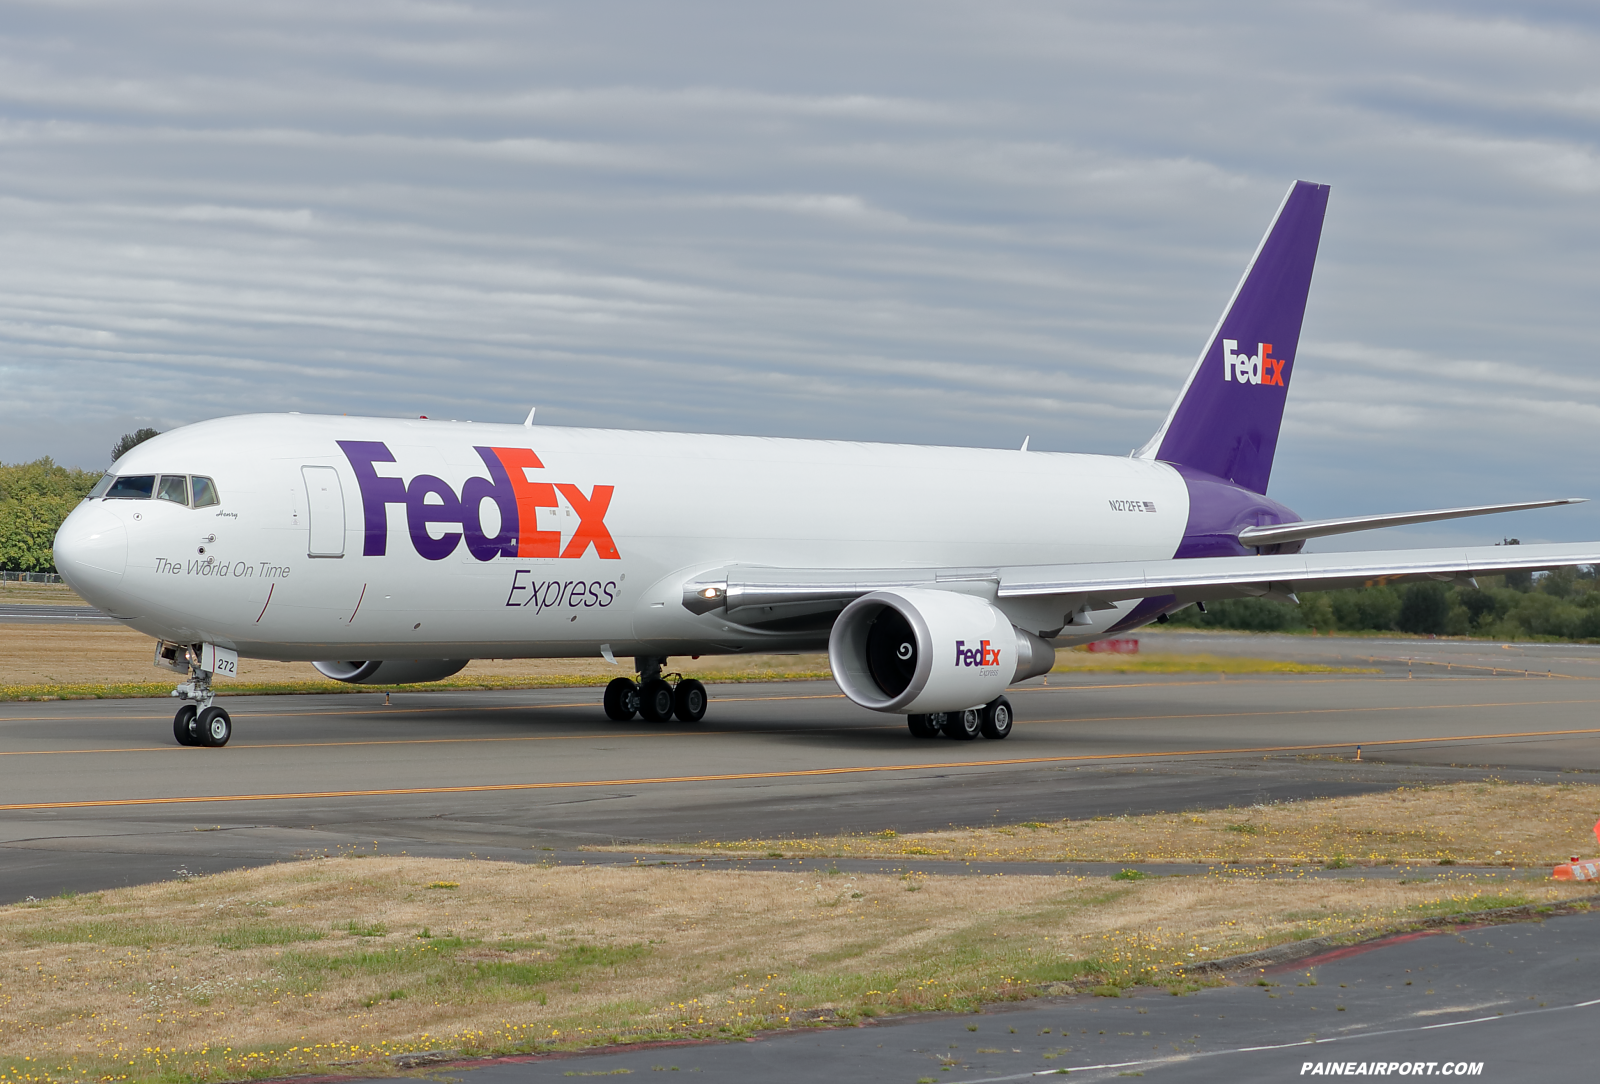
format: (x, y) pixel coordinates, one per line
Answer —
(136, 487)
(205, 492)
(174, 488)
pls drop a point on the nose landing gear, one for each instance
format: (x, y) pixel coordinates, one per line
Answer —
(655, 698)
(200, 723)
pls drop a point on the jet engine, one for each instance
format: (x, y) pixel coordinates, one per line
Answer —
(390, 671)
(920, 650)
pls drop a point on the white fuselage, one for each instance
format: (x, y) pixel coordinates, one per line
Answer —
(681, 505)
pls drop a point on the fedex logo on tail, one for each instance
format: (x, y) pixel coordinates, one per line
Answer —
(1259, 368)
(432, 503)
(981, 655)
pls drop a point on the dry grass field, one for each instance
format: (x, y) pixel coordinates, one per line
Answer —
(64, 661)
(1496, 824)
(315, 964)
(54, 594)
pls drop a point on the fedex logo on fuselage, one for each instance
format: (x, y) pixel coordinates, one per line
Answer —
(431, 502)
(981, 655)
(1259, 368)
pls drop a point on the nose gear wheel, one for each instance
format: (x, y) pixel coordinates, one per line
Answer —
(185, 725)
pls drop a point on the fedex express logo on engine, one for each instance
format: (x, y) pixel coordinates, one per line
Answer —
(1258, 368)
(431, 503)
(981, 655)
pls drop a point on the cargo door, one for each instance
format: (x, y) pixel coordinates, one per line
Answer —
(324, 512)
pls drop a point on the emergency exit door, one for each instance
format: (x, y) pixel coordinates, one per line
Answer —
(325, 511)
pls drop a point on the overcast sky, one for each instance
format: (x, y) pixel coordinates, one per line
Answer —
(927, 222)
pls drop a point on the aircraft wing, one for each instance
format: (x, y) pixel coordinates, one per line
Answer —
(762, 595)
(1235, 577)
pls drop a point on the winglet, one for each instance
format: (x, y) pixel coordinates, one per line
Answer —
(1226, 421)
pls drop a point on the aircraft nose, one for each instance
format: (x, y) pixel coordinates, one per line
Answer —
(92, 553)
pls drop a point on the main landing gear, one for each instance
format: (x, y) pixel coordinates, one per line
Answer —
(655, 698)
(202, 722)
(993, 720)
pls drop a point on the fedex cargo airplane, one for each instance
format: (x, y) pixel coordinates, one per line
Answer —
(385, 550)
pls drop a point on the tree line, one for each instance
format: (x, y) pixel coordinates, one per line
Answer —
(1560, 605)
(34, 499)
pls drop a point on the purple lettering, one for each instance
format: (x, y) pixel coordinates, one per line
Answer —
(611, 587)
(420, 515)
(477, 490)
(515, 587)
(377, 492)
(593, 596)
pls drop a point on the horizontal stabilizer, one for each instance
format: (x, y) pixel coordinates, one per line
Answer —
(1319, 528)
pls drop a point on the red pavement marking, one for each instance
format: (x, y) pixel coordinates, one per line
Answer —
(1356, 950)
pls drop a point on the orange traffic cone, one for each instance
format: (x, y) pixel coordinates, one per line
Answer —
(1580, 869)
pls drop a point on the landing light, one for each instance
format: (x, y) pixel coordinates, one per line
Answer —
(711, 592)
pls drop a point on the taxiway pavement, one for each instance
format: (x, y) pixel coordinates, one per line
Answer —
(96, 794)
(28, 613)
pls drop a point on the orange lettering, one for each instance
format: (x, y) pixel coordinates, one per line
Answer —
(531, 496)
(591, 522)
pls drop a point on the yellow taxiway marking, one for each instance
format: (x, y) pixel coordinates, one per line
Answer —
(819, 729)
(394, 709)
(368, 741)
(799, 773)
(397, 709)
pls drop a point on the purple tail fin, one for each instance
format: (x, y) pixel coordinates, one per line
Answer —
(1226, 421)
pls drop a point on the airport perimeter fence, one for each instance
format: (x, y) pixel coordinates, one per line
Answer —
(30, 577)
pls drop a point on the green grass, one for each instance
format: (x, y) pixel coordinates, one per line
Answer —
(107, 932)
(439, 964)
(564, 965)
(1476, 902)
(249, 936)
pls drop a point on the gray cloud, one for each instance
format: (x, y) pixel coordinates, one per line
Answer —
(935, 222)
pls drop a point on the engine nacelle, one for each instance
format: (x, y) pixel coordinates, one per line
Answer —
(919, 650)
(390, 671)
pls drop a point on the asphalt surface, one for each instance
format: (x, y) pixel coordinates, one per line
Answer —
(1518, 1001)
(43, 614)
(96, 793)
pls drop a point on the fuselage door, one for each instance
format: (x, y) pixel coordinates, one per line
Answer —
(325, 511)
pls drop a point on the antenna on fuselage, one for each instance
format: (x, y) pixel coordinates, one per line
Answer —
(1025, 443)
(528, 421)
